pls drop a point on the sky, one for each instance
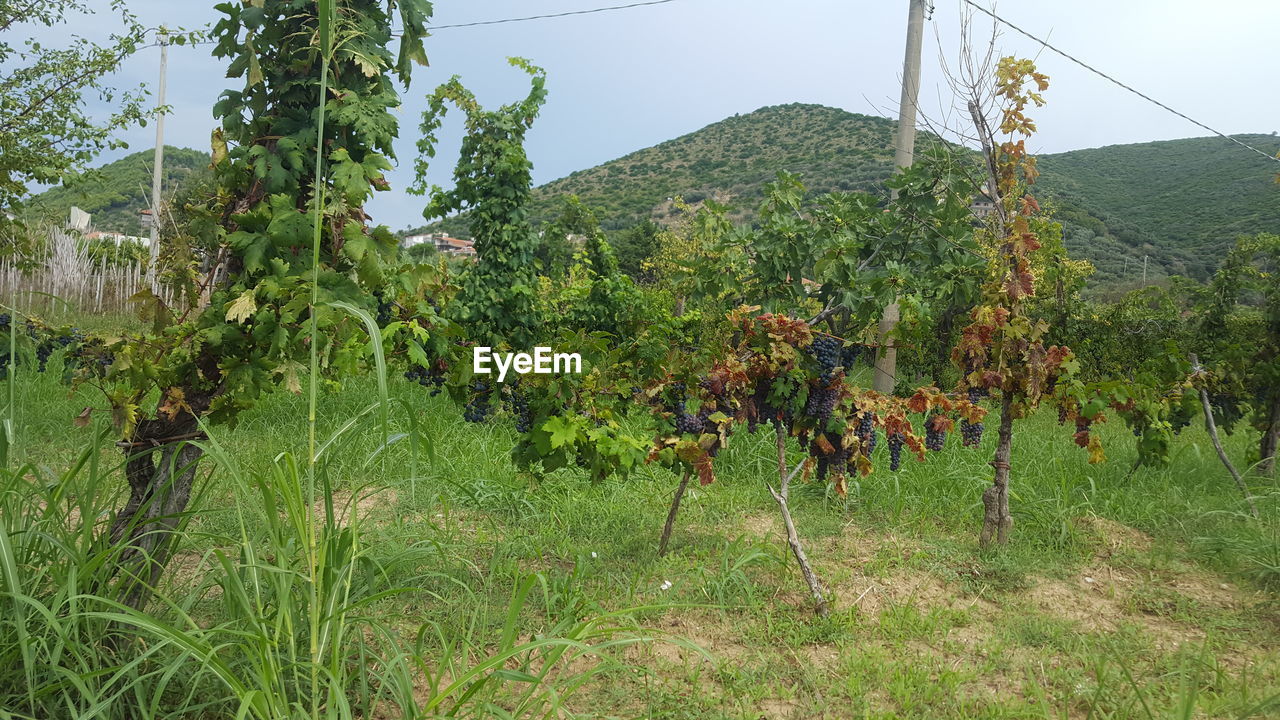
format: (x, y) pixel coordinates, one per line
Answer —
(624, 80)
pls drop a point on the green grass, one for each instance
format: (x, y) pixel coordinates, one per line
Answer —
(1125, 616)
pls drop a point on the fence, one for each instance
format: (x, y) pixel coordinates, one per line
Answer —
(69, 280)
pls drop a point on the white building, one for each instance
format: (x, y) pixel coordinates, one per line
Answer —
(442, 243)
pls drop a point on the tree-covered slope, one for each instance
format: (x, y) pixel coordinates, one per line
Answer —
(731, 159)
(1182, 202)
(115, 193)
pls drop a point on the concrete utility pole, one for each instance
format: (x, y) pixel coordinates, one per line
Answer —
(1144, 271)
(157, 172)
(886, 375)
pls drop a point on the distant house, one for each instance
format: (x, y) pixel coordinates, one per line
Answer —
(982, 206)
(442, 243)
(78, 219)
(82, 222)
(415, 240)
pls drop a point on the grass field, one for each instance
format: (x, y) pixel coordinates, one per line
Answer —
(1143, 595)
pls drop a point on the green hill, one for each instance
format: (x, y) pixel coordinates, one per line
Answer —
(1180, 202)
(734, 158)
(115, 193)
(731, 159)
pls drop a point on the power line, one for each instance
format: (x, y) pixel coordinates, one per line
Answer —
(552, 15)
(1107, 77)
(503, 21)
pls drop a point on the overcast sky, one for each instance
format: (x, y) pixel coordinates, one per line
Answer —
(624, 80)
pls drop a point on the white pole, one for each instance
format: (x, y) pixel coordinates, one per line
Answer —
(158, 166)
(886, 375)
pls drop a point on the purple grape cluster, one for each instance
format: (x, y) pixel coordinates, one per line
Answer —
(896, 441)
(822, 398)
(518, 405)
(867, 432)
(850, 355)
(426, 377)
(836, 462)
(827, 351)
(687, 423)
(684, 421)
(765, 410)
(479, 407)
(970, 433)
(934, 436)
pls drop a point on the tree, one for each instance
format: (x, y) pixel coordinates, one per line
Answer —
(555, 248)
(492, 180)
(46, 129)
(1243, 342)
(1003, 348)
(635, 247)
(299, 152)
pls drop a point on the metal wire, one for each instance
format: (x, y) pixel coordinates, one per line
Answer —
(1110, 79)
(552, 15)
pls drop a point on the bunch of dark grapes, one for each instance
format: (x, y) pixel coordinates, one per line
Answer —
(43, 351)
(687, 423)
(822, 398)
(384, 309)
(976, 394)
(760, 402)
(765, 410)
(4, 321)
(426, 377)
(836, 462)
(684, 421)
(867, 432)
(850, 355)
(896, 441)
(970, 433)
(479, 406)
(73, 342)
(826, 350)
(934, 436)
(518, 405)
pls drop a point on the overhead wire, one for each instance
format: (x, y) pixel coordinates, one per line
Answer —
(970, 3)
(503, 21)
(1110, 79)
(550, 15)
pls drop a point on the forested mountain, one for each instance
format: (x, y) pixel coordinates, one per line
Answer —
(115, 193)
(1180, 202)
(730, 160)
(1183, 202)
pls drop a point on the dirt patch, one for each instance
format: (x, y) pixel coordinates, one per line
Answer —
(778, 708)
(364, 505)
(1099, 600)
(710, 633)
(1114, 537)
(872, 595)
(764, 525)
